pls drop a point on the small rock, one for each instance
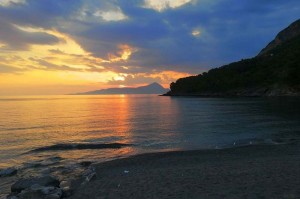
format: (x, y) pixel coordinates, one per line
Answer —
(8, 172)
(64, 183)
(89, 170)
(66, 188)
(27, 183)
(36, 187)
(29, 195)
(89, 174)
(53, 196)
(85, 163)
(47, 190)
(90, 177)
(12, 197)
(40, 192)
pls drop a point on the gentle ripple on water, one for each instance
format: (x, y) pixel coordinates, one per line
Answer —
(150, 122)
(86, 128)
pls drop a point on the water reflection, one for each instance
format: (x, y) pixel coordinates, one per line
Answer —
(150, 122)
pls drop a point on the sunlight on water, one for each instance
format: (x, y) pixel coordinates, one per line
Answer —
(149, 122)
(32, 122)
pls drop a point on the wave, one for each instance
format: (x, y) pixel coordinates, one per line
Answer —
(25, 128)
(80, 146)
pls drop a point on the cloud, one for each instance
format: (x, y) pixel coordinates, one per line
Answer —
(60, 45)
(178, 35)
(14, 38)
(9, 69)
(99, 11)
(196, 33)
(137, 79)
(112, 15)
(161, 5)
(190, 38)
(124, 53)
(7, 3)
(49, 66)
(163, 78)
(46, 65)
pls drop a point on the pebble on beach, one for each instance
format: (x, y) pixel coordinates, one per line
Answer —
(27, 183)
(45, 187)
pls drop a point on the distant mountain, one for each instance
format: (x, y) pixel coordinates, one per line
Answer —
(153, 88)
(274, 72)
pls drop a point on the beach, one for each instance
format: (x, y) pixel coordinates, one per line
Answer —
(262, 171)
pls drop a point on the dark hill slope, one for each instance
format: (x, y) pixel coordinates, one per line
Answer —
(287, 34)
(274, 72)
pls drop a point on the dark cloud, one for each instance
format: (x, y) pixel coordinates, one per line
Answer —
(17, 39)
(46, 13)
(229, 30)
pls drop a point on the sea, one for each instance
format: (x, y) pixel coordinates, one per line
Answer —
(39, 133)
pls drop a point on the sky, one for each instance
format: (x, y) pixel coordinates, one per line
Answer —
(67, 46)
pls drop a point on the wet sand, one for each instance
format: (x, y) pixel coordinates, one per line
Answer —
(268, 171)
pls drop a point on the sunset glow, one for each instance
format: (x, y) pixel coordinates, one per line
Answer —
(61, 48)
(148, 99)
(63, 67)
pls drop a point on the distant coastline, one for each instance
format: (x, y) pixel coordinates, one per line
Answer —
(153, 88)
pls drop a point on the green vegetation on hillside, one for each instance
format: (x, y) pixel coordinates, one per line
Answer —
(279, 67)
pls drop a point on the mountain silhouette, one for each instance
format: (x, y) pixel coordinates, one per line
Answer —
(153, 88)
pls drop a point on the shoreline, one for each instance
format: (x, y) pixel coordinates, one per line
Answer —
(234, 172)
(222, 95)
(274, 91)
(258, 171)
(76, 174)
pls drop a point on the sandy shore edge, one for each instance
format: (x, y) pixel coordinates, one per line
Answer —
(262, 171)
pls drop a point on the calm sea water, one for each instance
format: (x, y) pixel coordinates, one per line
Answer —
(149, 122)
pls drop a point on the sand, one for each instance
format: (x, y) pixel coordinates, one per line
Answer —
(268, 171)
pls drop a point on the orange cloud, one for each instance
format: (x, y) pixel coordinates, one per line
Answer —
(139, 79)
(65, 67)
(124, 53)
